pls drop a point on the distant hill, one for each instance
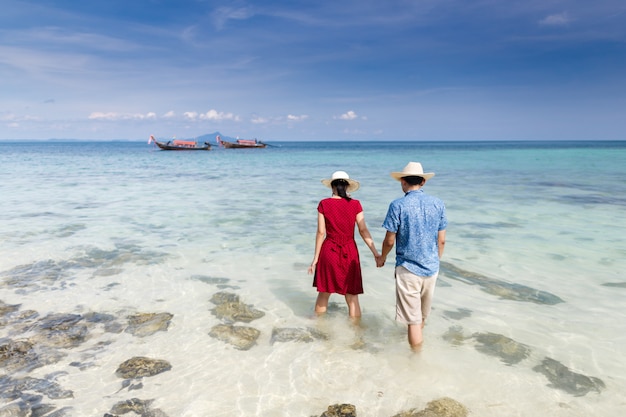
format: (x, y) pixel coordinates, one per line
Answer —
(210, 137)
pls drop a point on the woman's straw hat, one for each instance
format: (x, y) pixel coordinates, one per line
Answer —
(342, 175)
(412, 169)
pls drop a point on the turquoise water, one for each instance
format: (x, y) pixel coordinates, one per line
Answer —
(535, 253)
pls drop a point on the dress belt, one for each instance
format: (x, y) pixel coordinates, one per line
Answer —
(341, 241)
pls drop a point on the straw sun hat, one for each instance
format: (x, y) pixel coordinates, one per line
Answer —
(412, 169)
(342, 175)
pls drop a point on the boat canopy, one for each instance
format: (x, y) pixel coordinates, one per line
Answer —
(189, 143)
(246, 142)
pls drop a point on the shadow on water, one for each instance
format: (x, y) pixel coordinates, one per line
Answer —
(512, 353)
(502, 289)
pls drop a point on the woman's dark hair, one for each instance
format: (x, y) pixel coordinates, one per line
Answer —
(414, 180)
(341, 187)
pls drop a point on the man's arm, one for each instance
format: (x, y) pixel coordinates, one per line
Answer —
(388, 242)
(441, 242)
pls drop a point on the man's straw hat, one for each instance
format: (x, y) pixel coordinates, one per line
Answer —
(412, 169)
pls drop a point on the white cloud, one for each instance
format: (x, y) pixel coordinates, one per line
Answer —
(13, 121)
(259, 120)
(102, 116)
(189, 115)
(558, 19)
(293, 118)
(113, 116)
(215, 115)
(350, 115)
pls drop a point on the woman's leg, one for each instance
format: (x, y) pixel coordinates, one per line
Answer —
(321, 304)
(354, 308)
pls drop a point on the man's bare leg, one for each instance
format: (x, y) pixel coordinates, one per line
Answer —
(416, 336)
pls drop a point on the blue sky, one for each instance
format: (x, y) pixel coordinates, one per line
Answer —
(313, 70)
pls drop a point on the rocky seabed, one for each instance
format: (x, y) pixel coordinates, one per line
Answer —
(32, 342)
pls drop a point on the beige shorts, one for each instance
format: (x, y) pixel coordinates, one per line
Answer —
(414, 296)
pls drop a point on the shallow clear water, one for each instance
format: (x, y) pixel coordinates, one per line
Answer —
(121, 228)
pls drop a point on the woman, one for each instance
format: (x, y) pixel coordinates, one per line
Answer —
(336, 262)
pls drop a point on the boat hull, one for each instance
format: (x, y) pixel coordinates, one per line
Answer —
(171, 147)
(242, 145)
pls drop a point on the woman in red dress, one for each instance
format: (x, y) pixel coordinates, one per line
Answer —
(336, 262)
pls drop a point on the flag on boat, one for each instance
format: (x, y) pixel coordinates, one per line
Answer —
(218, 139)
(151, 139)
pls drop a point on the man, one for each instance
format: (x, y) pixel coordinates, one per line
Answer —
(416, 224)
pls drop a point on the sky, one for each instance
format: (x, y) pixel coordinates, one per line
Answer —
(338, 70)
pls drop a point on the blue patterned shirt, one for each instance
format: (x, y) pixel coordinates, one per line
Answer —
(416, 220)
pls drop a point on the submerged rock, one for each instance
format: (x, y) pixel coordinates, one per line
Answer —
(137, 406)
(8, 308)
(241, 337)
(61, 330)
(30, 406)
(291, 334)
(459, 314)
(455, 336)
(508, 350)
(33, 276)
(146, 324)
(233, 312)
(502, 289)
(124, 253)
(224, 297)
(20, 321)
(95, 317)
(111, 325)
(54, 274)
(24, 355)
(26, 395)
(442, 407)
(615, 284)
(16, 354)
(230, 309)
(140, 366)
(210, 280)
(561, 377)
(130, 385)
(18, 387)
(59, 322)
(340, 410)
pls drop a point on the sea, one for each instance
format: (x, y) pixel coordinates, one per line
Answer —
(528, 319)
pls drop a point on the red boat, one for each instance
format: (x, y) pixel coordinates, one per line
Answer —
(180, 145)
(241, 143)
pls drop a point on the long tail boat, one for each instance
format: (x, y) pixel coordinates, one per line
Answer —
(241, 143)
(180, 145)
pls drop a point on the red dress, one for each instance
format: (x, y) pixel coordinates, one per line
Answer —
(338, 267)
